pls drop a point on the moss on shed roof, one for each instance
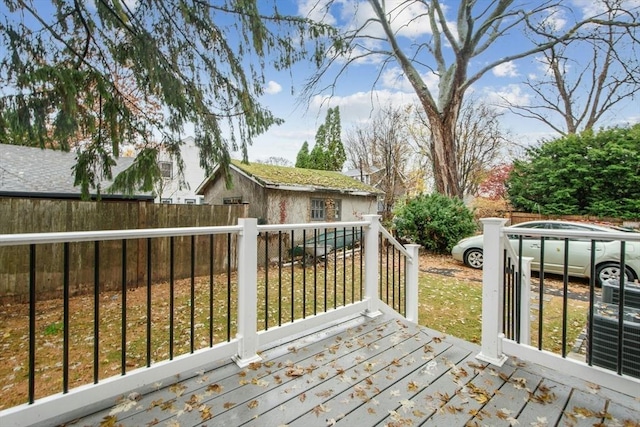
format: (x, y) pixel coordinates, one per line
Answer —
(282, 175)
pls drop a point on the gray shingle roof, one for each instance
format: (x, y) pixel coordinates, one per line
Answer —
(29, 171)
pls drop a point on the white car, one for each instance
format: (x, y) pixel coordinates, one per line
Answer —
(469, 251)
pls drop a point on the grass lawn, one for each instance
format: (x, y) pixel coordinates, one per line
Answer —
(452, 303)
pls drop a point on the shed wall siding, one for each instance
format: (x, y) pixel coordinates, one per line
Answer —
(250, 192)
(291, 207)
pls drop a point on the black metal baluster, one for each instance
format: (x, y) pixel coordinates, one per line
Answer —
(65, 320)
(211, 268)
(518, 294)
(393, 278)
(326, 259)
(171, 294)
(335, 267)
(565, 298)
(353, 265)
(622, 278)
(315, 271)
(96, 311)
(32, 322)
(541, 295)
(228, 287)
(266, 281)
(304, 275)
(592, 291)
(387, 271)
(192, 314)
(361, 260)
(380, 268)
(123, 344)
(149, 313)
(505, 293)
(293, 275)
(344, 266)
(279, 278)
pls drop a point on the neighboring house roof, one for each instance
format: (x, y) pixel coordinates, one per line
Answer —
(295, 179)
(36, 172)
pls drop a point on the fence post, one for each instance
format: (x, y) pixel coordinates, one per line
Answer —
(492, 292)
(411, 296)
(371, 265)
(247, 292)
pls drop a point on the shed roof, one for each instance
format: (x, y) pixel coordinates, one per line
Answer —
(296, 179)
(36, 172)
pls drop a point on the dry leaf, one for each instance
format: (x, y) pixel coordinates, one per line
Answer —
(215, 388)
(205, 412)
(109, 421)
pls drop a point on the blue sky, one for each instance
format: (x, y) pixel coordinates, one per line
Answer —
(358, 99)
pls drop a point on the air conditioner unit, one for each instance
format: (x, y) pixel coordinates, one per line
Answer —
(611, 293)
(604, 346)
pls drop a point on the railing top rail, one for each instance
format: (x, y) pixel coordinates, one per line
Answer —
(394, 242)
(89, 236)
(594, 235)
(318, 225)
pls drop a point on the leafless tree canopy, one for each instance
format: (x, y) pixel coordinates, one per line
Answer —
(457, 43)
(480, 142)
(382, 149)
(584, 79)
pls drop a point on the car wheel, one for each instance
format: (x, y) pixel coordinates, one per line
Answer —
(473, 258)
(611, 270)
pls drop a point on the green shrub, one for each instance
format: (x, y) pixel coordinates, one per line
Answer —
(434, 221)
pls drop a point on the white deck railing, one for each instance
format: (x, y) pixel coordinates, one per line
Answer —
(245, 345)
(496, 347)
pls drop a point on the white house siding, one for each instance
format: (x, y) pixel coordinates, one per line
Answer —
(193, 175)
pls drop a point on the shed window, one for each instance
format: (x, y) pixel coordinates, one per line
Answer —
(326, 209)
(190, 201)
(165, 201)
(317, 210)
(232, 200)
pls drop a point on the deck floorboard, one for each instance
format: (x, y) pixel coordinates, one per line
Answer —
(373, 372)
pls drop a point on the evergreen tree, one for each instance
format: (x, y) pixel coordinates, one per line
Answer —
(200, 62)
(328, 153)
(302, 159)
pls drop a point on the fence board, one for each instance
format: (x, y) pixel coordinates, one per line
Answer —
(41, 216)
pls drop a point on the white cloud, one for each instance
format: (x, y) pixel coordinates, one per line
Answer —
(394, 78)
(272, 88)
(506, 69)
(510, 94)
(317, 11)
(355, 110)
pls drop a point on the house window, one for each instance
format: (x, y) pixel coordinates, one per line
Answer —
(232, 200)
(317, 210)
(326, 209)
(190, 201)
(165, 201)
(166, 169)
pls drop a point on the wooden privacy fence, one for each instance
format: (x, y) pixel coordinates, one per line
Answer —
(42, 216)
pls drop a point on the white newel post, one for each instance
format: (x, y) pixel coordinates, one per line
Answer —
(492, 296)
(371, 265)
(412, 282)
(247, 292)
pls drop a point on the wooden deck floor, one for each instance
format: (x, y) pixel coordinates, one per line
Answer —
(370, 372)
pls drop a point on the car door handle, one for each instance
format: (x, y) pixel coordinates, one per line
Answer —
(535, 246)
